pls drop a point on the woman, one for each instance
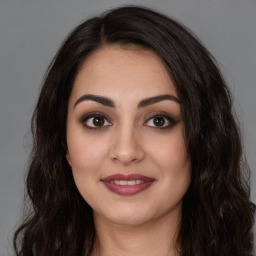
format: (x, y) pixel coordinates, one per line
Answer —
(136, 150)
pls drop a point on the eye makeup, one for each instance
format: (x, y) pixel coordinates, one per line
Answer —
(160, 120)
(95, 120)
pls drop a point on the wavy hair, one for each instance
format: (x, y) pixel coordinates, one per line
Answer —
(217, 215)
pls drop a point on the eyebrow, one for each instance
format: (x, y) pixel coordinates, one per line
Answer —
(110, 103)
(99, 99)
(156, 99)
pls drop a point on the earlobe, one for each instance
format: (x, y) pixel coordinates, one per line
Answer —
(68, 159)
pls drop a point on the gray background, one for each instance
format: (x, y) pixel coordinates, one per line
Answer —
(31, 32)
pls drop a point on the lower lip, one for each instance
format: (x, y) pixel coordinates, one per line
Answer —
(127, 190)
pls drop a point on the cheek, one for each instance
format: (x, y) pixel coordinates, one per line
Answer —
(84, 156)
(85, 152)
(174, 165)
(175, 156)
(171, 153)
(87, 160)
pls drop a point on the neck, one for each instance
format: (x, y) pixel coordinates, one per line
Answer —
(156, 237)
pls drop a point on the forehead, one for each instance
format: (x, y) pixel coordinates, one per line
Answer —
(130, 73)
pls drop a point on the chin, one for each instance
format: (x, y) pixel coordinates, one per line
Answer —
(130, 221)
(125, 216)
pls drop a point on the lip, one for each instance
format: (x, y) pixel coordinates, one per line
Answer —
(144, 183)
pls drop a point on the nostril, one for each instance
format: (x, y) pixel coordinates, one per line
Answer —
(125, 148)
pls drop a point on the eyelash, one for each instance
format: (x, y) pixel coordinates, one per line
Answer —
(167, 117)
(92, 115)
(163, 115)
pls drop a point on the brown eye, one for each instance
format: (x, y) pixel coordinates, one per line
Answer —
(98, 121)
(95, 121)
(159, 121)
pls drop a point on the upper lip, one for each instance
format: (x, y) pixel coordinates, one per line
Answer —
(132, 176)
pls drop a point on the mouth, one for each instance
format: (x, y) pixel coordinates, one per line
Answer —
(127, 184)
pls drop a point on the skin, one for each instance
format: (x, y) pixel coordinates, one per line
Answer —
(128, 141)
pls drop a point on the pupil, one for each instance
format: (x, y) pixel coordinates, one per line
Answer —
(159, 121)
(98, 121)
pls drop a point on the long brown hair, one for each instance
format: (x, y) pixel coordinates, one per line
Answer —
(217, 215)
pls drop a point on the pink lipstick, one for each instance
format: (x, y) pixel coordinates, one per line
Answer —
(127, 184)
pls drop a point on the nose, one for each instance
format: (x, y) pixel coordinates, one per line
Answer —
(126, 147)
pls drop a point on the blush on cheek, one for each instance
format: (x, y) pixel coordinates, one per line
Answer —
(173, 156)
(86, 158)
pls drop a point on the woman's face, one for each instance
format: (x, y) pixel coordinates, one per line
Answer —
(125, 136)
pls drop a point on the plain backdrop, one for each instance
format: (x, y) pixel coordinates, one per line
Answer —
(30, 34)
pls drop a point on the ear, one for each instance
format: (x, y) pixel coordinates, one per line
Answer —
(68, 158)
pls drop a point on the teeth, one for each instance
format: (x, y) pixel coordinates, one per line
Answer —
(123, 182)
(126, 182)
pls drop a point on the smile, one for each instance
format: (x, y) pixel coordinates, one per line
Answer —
(127, 184)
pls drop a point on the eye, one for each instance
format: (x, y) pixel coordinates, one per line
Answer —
(160, 121)
(95, 121)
